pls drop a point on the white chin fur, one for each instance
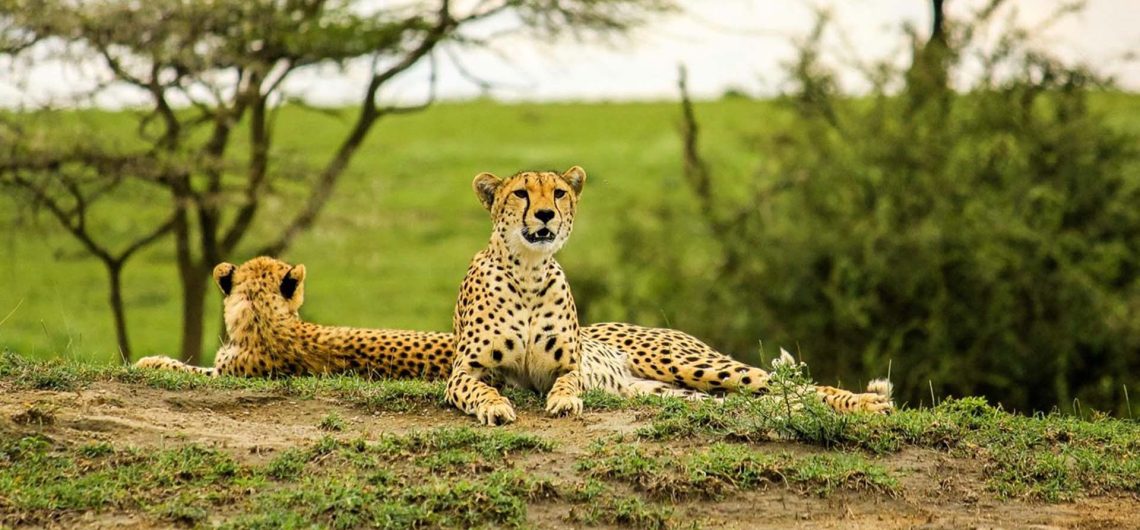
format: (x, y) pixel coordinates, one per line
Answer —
(521, 244)
(542, 247)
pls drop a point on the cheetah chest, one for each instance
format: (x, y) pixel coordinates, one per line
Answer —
(536, 336)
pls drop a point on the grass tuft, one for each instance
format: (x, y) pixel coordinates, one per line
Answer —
(332, 422)
(724, 468)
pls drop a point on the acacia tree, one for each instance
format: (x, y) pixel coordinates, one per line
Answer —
(210, 70)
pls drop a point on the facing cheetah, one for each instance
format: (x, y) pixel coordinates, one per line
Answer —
(515, 320)
(268, 337)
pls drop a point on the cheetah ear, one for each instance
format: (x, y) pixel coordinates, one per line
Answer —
(292, 280)
(224, 276)
(576, 178)
(485, 186)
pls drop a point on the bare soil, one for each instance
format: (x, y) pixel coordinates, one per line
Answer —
(939, 491)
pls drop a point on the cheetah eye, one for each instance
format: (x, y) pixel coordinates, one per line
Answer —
(520, 194)
(558, 194)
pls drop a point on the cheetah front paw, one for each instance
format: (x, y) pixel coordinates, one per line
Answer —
(496, 412)
(559, 405)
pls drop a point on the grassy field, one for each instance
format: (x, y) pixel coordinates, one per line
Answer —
(84, 445)
(393, 244)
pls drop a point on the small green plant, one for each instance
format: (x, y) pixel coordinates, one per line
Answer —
(287, 465)
(96, 450)
(332, 422)
(623, 512)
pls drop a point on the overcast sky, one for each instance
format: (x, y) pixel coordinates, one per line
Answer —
(724, 43)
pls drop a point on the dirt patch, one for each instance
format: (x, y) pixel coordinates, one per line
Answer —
(936, 490)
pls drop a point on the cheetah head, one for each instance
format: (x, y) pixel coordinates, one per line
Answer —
(533, 211)
(264, 286)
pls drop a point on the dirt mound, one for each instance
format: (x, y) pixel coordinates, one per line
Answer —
(934, 489)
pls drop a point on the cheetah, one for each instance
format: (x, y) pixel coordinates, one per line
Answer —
(515, 321)
(267, 337)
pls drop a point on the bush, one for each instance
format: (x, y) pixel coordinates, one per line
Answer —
(981, 240)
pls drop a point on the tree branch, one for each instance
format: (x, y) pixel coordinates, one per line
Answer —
(156, 234)
(367, 116)
(65, 218)
(696, 171)
(259, 140)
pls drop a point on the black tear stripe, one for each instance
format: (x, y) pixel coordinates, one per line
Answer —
(554, 201)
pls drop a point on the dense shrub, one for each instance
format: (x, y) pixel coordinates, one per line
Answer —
(979, 240)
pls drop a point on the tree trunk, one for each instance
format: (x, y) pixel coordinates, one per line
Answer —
(115, 272)
(192, 275)
(193, 310)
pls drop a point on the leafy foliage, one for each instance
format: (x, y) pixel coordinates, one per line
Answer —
(979, 240)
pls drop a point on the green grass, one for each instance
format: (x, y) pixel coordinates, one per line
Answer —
(474, 476)
(725, 468)
(1049, 457)
(354, 484)
(394, 242)
(603, 506)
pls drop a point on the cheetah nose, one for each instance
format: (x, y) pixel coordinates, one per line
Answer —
(544, 215)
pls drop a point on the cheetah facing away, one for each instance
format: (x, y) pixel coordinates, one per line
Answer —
(268, 338)
(515, 321)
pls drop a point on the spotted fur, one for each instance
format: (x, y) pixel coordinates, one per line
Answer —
(268, 338)
(515, 321)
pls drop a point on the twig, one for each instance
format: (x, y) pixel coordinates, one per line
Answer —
(696, 170)
(21, 302)
(1127, 401)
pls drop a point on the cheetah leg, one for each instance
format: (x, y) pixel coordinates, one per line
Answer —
(877, 399)
(677, 358)
(563, 397)
(711, 370)
(603, 367)
(467, 392)
(649, 387)
(166, 363)
(707, 370)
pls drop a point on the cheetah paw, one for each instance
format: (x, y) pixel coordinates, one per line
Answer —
(498, 412)
(878, 405)
(153, 362)
(558, 405)
(878, 397)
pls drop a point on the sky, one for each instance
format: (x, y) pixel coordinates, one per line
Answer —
(725, 44)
